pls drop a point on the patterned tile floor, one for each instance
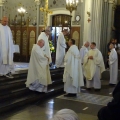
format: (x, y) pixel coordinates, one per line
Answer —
(86, 105)
(89, 98)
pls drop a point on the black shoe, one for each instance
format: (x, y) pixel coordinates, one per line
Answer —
(9, 75)
(112, 85)
(97, 89)
(70, 95)
(88, 88)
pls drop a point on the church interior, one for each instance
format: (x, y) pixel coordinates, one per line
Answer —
(87, 20)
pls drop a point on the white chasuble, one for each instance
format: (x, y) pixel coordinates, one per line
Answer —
(46, 47)
(89, 65)
(113, 61)
(60, 51)
(73, 76)
(38, 72)
(6, 50)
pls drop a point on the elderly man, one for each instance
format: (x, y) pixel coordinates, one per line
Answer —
(113, 62)
(84, 50)
(93, 67)
(44, 36)
(73, 76)
(60, 52)
(65, 114)
(6, 49)
(38, 74)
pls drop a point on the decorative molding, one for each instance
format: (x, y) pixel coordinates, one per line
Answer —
(105, 0)
(38, 2)
(111, 1)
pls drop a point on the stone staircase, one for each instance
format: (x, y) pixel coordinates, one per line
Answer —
(13, 92)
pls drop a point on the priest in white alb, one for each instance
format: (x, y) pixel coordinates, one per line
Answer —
(60, 51)
(6, 49)
(84, 50)
(44, 36)
(113, 62)
(93, 66)
(38, 73)
(73, 76)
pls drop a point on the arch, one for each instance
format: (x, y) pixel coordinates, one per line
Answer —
(59, 11)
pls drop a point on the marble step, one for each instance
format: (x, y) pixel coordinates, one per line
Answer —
(30, 98)
(54, 74)
(9, 89)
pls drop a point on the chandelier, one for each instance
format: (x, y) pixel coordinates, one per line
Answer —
(21, 11)
(2, 2)
(71, 5)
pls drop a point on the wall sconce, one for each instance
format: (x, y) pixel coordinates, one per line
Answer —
(34, 22)
(88, 14)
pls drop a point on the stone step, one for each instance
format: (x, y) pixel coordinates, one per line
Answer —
(13, 92)
(30, 98)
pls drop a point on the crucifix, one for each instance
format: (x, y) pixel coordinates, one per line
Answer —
(47, 11)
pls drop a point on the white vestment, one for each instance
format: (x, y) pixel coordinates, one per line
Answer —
(73, 76)
(113, 62)
(6, 50)
(38, 73)
(46, 47)
(93, 68)
(83, 52)
(60, 51)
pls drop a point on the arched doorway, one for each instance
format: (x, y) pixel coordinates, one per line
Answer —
(59, 22)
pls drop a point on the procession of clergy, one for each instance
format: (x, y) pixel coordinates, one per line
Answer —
(78, 65)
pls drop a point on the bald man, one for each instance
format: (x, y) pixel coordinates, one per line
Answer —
(38, 73)
(6, 49)
(44, 36)
(83, 51)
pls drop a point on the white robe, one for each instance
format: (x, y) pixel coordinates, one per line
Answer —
(60, 51)
(46, 47)
(73, 76)
(93, 68)
(38, 73)
(83, 52)
(113, 62)
(6, 50)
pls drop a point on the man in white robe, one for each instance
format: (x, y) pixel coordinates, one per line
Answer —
(38, 73)
(93, 67)
(46, 48)
(83, 51)
(113, 62)
(60, 51)
(73, 76)
(6, 49)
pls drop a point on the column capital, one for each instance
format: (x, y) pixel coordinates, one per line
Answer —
(111, 1)
(105, 0)
(2, 2)
(38, 2)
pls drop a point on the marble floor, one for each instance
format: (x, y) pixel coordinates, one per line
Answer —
(86, 109)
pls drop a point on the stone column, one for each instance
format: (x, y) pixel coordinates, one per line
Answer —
(104, 26)
(1, 9)
(109, 29)
(38, 17)
(87, 24)
(82, 13)
(96, 20)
